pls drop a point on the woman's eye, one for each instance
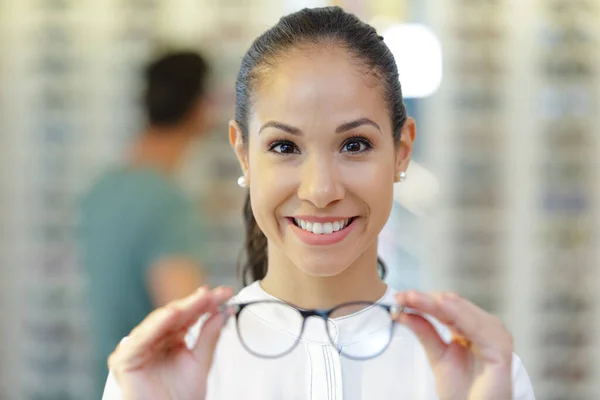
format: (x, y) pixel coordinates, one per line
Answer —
(283, 148)
(357, 145)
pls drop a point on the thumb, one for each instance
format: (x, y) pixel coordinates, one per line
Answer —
(427, 335)
(207, 340)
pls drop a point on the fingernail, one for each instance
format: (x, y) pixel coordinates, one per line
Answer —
(400, 298)
(218, 291)
(450, 297)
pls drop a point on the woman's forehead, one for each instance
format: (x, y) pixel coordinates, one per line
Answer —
(319, 85)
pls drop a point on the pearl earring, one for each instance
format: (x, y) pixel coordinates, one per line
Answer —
(242, 181)
(402, 176)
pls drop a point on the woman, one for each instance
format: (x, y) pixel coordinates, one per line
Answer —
(321, 134)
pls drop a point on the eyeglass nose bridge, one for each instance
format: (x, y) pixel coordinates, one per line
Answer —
(323, 314)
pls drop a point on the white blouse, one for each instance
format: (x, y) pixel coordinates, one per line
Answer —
(315, 370)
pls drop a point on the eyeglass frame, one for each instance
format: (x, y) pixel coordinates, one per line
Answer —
(235, 309)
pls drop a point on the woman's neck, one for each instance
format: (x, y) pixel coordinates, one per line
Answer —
(360, 281)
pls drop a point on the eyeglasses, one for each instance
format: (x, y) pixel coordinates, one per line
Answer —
(271, 329)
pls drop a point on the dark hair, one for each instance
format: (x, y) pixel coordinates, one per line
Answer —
(174, 82)
(329, 26)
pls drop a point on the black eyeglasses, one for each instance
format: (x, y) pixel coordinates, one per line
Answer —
(359, 330)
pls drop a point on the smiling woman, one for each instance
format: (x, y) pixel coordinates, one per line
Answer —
(321, 135)
(335, 144)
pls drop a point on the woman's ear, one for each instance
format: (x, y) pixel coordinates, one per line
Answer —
(239, 147)
(404, 151)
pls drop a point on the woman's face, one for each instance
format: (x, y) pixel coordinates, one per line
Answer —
(320, 159)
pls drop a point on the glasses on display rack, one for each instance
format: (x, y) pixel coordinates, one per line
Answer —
(552, 36)
(57, 263)
(475, 285)
(566, 338)
(54, 36)
(56, 64)
(55, 5)
(477, 196)
(478, 3)
(475, 272)
(145, 5)
(565, 6)
(488, 300)
(567, 235)
(481, 32)
(59, 297)
(565, 303)
(568, 135)
(56, 97)
(570, 369)
(272, 329)
(557, 66)
(55, 330)
(565, 173)
(478, 170)
(53, 133)
(474, 237)
(556, 282)
(567, 202)
(478, 100)
(566, 101)
(474, 67)
(465, 233)
(46, 394)
(479, 136)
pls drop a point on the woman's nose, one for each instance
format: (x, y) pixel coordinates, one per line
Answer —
(320, 181)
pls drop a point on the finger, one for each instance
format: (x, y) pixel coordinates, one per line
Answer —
(207, 340)
(138, 347)
(486, 331)
(175, 311)
(434, 346)
(211, 328)
(426, 304)
(163, 325)
(181, 329)
(222, 294)
(192, 309)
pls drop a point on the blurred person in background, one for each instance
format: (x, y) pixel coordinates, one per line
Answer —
(141, 238)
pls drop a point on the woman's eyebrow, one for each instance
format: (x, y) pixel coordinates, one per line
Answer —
(340, 129)
(355, 124)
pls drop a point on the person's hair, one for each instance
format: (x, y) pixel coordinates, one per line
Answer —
(173, 84)
(327, 26)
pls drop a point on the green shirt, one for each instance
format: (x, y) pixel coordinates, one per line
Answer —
(129, 220)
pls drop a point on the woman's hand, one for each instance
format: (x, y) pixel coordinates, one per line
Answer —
(154, 361)
(476, 364)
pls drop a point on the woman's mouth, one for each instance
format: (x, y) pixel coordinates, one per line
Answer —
(322, 228)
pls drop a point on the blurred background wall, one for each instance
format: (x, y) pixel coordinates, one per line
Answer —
(510, 137)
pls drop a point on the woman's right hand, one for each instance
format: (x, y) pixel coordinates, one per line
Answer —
(154, 362)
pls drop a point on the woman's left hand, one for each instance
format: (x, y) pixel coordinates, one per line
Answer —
(476, 364)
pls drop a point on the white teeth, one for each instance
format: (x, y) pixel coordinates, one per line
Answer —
(319, 228)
